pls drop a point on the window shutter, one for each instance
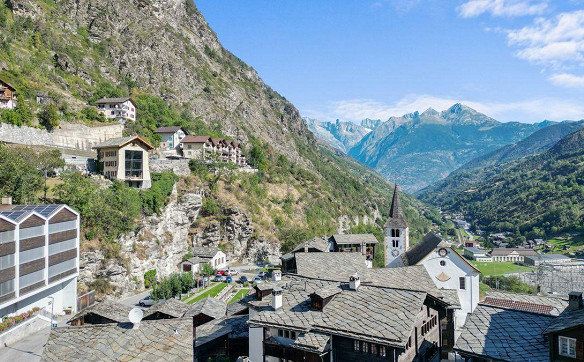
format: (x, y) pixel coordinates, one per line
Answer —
(580, 350)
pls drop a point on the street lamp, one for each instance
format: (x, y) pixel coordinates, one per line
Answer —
(52, 310)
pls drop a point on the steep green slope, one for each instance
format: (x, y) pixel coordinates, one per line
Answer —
(535, 196)
(421, 148)
(164, 55)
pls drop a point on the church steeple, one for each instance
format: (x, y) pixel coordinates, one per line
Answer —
(397, 238)
(396, 217)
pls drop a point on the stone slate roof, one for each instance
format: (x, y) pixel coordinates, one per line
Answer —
(568, 319)
(207, 252)
(209, 306)
(359, 314)
(549, 305)
(318, 243)
(505, 334)
(113, 100)
(396, 217)
(330, 266)
(450, 296)
(195, 139)
(109, 308)
(171, 307)
(311, 342)
(122, 141)
(160, 340)
(341, 239)
(328, 292)
(507, 251)
(420, 250)
(168, 129)
(194, 260)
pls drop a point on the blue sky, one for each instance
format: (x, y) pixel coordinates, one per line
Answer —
(515, 60)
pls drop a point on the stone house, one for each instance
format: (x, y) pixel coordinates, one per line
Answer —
(120, 109)
(363, 243)
(171, 137)
(7, 95)
(308, 319)
(197, 147)
(125, 159)
(211, 255)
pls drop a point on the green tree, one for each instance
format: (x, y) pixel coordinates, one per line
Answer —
(19, 174)
(49, 117)
(92, 114)
(206, 270)
(149, 278)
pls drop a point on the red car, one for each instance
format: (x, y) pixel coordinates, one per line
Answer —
(220, 272)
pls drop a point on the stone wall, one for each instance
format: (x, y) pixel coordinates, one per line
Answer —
(68, 135)
(179, 167)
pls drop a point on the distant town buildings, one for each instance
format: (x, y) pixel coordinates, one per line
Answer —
(39, 258)
(550, 259)
(397, 231)
(7, 95)
(120, 109)
(125, 159)
(474, 253)
(515, 255)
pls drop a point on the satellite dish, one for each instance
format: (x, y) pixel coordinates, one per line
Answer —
(135, 315)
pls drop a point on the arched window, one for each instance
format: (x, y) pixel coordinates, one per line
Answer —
(397, 233)
(393, 233)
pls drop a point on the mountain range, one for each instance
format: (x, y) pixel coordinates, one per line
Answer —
(534, 187)
(342, 135)
(418, 149)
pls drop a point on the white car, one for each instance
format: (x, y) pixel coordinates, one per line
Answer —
(147, 302)
(232, 272)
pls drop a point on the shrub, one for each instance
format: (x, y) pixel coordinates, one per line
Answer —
(509, 283)
(149, 278)
(154, 198)
(49, 117)
(210, 207)
(173, 286)
(92, 114)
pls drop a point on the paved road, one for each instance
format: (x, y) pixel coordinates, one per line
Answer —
(133, 300)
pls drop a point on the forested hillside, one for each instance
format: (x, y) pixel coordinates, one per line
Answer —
(539, 195)
(163, 54)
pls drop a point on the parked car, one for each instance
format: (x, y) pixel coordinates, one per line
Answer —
(258, 280)
(243, 279)
(262, 275)
(229, 279)
(219, 278)
(220, 272)
(147, 302)
(232, 272)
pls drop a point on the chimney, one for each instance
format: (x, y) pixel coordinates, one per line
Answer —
(6, 200)
(277, 298)
(575, 301)
(354, 282)
(276, 275)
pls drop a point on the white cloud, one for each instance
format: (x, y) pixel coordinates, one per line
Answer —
(523, 111)
(567, 80)
(507, 8)
(555, 42)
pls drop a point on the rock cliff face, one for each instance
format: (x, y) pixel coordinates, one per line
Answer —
(159, 242)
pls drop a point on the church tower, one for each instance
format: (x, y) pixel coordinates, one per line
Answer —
(397, 232)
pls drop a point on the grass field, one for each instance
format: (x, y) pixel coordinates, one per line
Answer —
(499, 268)
(240, 294)
(211, 291)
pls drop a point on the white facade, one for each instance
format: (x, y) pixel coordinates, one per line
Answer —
(40, 262)
(397, 242)
(219, 261)
(120, 109)
(452, 271)
(171, 140)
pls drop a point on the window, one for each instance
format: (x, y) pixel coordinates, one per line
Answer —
(356, 345)
(62, 246)
(31, 232)
(373, 349)
(62, 267)
(442, 263)
(32, 254)
(7, 287)
(462, 282)
(382, 351)
(395, 243)
(395, 233)
(62, 226)
(32, 278)
(6, 261)
(567, 346)
(6, 236)
(134, 163)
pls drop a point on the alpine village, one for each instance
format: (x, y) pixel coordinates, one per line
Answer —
(160, 202)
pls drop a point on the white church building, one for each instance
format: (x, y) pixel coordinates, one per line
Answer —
(448, 269)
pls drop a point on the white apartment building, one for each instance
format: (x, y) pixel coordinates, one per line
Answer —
(120, 109)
